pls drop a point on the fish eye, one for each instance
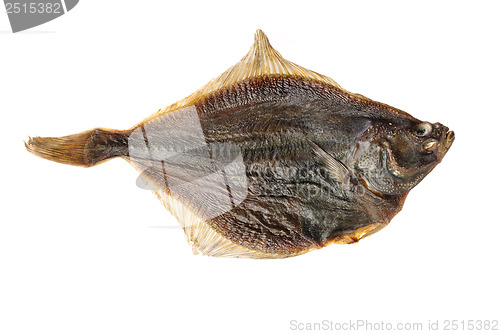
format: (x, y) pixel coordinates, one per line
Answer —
(423, 129)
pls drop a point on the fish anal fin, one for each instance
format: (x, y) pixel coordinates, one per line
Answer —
(201, 236)
(205, 240)
(358, 234)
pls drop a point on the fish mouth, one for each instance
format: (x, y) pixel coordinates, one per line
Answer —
(446, 140)
(449, 138)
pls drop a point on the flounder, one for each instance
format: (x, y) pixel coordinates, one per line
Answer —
(269, 160)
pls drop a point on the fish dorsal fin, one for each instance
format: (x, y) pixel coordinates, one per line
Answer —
(261, 60)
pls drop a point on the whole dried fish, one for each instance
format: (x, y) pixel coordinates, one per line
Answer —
(270, 160)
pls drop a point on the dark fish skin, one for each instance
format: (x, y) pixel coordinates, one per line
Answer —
(270, 165)
(293, 201)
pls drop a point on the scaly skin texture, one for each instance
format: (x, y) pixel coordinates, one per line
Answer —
(293, 202)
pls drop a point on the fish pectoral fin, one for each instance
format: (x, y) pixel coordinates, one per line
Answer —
(336, 168)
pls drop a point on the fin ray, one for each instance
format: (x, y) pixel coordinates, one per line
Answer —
(338, 170)
(84, 149)
(200, 235)
(261, 60)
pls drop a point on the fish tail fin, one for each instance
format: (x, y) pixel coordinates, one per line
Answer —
(85, 149)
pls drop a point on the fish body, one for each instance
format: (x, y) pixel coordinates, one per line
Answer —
(270, 160)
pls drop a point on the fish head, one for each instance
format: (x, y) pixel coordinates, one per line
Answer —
(393, 157)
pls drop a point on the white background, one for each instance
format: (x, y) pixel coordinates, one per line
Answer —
(87, 251)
